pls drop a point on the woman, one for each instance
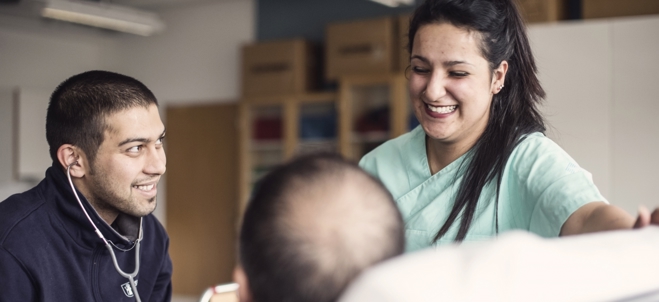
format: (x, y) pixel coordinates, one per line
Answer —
(479, 163)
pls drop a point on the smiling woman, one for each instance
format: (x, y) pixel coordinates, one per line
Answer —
(479, 163)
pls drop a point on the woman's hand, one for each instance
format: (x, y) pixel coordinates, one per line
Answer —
(645, 218)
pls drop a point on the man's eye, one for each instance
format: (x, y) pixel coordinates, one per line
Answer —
(159, 141)
(134, 149)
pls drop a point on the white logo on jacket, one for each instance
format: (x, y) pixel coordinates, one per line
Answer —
(128, 291)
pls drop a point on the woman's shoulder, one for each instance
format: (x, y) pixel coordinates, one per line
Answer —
(538, 152)
(536, 143)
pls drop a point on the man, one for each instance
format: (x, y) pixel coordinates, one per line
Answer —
(311, 227)
(57, 244)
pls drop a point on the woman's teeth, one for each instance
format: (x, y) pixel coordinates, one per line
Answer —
(144, 188)
(442, 109)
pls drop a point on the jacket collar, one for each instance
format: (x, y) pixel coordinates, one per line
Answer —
(123, 232)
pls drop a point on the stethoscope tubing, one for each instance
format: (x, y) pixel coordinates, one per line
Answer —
(130, 277)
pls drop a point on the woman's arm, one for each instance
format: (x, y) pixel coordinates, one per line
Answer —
(599, 216)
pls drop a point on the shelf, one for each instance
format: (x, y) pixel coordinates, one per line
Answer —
(370, 137)
(317, 145)
(266, 145)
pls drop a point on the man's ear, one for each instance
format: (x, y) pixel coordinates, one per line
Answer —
(239, 276)
(70, 155)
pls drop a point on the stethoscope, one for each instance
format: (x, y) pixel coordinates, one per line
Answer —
(109, 244)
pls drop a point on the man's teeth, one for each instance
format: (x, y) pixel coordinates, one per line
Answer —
(144, 188)
(442, 109)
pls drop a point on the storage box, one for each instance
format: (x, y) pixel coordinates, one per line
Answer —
(618, 8)
(403, 26)
(278, 67)
(534, 11)
(360, 47)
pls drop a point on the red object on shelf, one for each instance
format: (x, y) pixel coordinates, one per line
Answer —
(267, 128)
(376, 120)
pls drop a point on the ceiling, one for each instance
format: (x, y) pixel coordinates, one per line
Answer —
(26, 14)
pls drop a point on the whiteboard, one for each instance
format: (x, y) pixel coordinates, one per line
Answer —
(32, 155)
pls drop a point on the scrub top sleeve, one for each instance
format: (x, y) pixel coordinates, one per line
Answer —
(15, 283)
(553, 181)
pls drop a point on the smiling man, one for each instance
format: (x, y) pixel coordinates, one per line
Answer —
(94, 242)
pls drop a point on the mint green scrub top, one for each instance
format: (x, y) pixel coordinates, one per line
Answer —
(541, 187)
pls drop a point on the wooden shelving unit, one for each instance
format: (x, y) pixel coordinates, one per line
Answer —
(355, 95)
(289, 108)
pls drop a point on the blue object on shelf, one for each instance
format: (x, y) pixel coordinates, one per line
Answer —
(318, 126)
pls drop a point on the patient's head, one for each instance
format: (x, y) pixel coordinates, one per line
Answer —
(311, 227)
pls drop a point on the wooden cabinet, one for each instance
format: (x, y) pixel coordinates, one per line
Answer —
(276, 128)
(372, 109)
(366, 111)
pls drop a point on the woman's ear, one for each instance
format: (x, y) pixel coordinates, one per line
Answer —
(499, 77)
(239, 276)
(70, 155)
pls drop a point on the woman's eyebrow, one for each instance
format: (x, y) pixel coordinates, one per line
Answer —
(445, 64)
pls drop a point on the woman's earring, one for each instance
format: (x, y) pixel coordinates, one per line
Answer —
(500, 87)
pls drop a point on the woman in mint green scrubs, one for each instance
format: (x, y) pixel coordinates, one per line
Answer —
(479, 163)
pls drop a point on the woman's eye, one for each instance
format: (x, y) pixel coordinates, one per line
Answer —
(420, 70)
(458, 73)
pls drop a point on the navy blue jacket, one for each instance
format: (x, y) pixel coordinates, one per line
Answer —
(50, 252)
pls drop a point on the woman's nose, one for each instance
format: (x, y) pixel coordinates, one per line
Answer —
(435, 88)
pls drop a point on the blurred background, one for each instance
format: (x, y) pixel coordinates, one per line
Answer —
(244, 85)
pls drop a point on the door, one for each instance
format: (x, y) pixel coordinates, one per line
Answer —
(202, 194)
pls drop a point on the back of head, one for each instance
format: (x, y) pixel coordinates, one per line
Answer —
(80, 104)
(312, 226)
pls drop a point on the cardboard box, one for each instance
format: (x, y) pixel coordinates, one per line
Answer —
(360, 47)
(403, 54)
(534, 11)
(618, 8)
(278, 67)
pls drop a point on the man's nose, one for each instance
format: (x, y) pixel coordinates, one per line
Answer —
(156, 162)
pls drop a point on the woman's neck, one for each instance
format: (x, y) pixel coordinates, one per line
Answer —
(441, 154)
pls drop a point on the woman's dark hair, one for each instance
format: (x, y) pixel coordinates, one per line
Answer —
(513, 112)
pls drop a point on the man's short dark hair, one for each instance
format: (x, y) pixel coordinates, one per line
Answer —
(78, 108)
(312, 226)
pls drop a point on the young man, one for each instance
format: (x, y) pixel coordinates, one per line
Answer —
(311, 227)
(58, 243)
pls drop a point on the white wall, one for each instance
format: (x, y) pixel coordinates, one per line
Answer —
(602, 101)
(574, 64)
(635, 111)
(40, 58)
(195, 60)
